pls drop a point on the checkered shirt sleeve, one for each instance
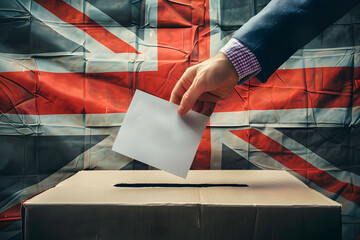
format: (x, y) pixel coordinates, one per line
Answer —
(243, 59)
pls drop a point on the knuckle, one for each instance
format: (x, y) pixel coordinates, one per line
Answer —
(190, 70)
(200, 83)
(186, 98)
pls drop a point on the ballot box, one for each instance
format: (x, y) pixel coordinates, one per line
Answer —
(234, 204)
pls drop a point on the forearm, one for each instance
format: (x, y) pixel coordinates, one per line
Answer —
(284, 26)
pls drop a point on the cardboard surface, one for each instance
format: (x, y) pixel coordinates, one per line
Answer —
(157, 205)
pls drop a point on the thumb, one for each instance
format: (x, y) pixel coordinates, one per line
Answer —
(190, 96)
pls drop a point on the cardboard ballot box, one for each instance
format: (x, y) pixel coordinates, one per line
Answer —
(156, 205)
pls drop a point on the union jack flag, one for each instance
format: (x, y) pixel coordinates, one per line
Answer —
(69, 69)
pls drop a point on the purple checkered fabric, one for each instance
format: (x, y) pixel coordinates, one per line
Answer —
(243, 59)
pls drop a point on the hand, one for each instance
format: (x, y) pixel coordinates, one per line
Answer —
(203, 85)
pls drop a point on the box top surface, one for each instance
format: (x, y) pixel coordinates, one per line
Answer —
(264, 187)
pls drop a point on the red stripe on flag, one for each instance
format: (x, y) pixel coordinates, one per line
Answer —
(11, 214)
(203, 154)
(327, 87)
(173, 15)
(299, 165)
(70, 15)
(356, 87)
(43, 93)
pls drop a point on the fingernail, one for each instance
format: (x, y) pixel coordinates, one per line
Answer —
(181, 109)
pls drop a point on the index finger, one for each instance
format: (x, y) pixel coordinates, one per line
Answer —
(182, 85)
(177, 93)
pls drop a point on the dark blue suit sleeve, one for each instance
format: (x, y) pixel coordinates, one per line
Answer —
(284, 26)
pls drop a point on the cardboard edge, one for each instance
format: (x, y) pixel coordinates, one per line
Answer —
(23, 208)
(23, 214)
(327, 198)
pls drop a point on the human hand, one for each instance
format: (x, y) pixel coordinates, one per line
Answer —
(203, 85)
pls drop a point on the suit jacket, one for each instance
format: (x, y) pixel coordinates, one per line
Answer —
(284, 26)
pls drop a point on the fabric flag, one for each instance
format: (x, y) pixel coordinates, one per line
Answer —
(69, 69)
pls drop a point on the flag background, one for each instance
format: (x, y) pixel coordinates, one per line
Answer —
(68, 71)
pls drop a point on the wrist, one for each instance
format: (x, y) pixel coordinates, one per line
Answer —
(228, 66)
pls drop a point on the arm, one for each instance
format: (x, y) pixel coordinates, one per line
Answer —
(284, 26)
(273, 35)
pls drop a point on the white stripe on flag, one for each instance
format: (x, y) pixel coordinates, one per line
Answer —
(98, 58)
(303, 117)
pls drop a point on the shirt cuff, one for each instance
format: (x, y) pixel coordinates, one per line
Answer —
(244, 61)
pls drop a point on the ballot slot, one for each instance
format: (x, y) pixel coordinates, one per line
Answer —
(177, 185)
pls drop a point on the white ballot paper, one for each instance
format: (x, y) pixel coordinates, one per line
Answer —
(154, 133)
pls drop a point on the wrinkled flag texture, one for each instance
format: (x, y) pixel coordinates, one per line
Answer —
(68, 71)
